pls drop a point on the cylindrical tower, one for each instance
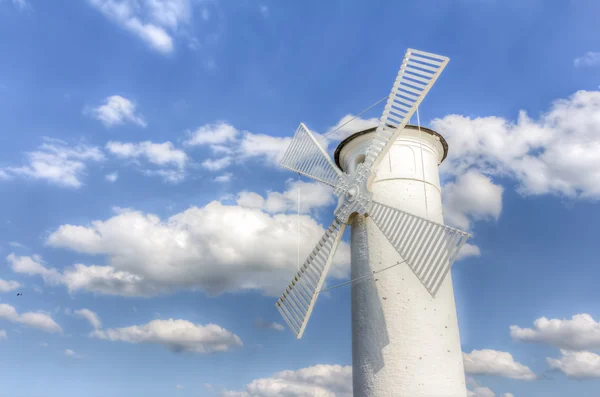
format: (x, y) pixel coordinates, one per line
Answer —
(405, 343)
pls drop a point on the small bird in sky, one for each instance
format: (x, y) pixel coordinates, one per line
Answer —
(19, 294)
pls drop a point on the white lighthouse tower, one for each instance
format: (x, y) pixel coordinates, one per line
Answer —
(405, 342)
(405, 332)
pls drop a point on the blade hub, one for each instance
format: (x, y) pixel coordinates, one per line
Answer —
(352, 193)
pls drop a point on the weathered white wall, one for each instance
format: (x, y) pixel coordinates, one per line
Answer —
(404, 341)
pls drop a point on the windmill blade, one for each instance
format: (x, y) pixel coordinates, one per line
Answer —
(418, 72)
(428, 248)
(297, 302)
(306, 156)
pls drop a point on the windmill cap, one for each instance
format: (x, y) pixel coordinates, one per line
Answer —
(429, 131)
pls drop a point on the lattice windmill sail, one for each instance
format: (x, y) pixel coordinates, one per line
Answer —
(428, 248)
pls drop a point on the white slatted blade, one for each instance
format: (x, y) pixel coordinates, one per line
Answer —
(418, 72)
(297, 302)
(306, 156)
(428, 248)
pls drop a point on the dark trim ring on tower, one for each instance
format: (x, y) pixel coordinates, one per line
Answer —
(338, 150)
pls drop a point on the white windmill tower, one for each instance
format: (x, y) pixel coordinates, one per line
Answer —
(405, 339)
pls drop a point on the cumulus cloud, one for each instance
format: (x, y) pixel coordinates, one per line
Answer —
(581, 332)
(217, 164)
(226, 177)
(16, 244)
(468, 250)
(264, 10)
(156, 153)
(266, 147)
(3, 335)
(216, 248)
(319, 380)
(481, 391)
(37, 320)
(33, 265)
(21, 4)
(492, 362)
(112, 177)
(473, 196)
(216, 134)
(557, 154)
(117, 110)
(344, 128)
(262, 324)
(160, 154)
(475, 389)
(590, 58)
(312, 195)
(90, 316)
(577, 365)
(7, 286)
(72, 354)
(233, 144)
(58, 163)
(154, 21)
(175, 335)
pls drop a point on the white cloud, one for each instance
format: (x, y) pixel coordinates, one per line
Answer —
(350, 127)
(57, 163)
(581, 332)
(217, 164)
(492, 362)
(478, 390)
(481, 391)
(557, 154)
(589, 59)
(175, 175)
(313, 195)
(264, 10)
(3, 335)
(216, 248)
(117, 110)
(33, 265)
(7, 286)
(471, 197)
(38, 320)
(157, 153)
(153, 21)
(263, 146)
(160, 154)
(90, 316)
(72, 354)
(21, 4)
(44, 344)
(213, 134)
(175, 335)
(226, 177)
(468, 250)
(112, 177)
(577, 365)
(16, 244)
(179, 387)
(261, 323)
(319, 380)
(225, 139)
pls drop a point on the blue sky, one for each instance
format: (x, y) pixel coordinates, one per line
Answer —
(139, 181)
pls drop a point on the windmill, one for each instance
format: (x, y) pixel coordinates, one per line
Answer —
(426, 247)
